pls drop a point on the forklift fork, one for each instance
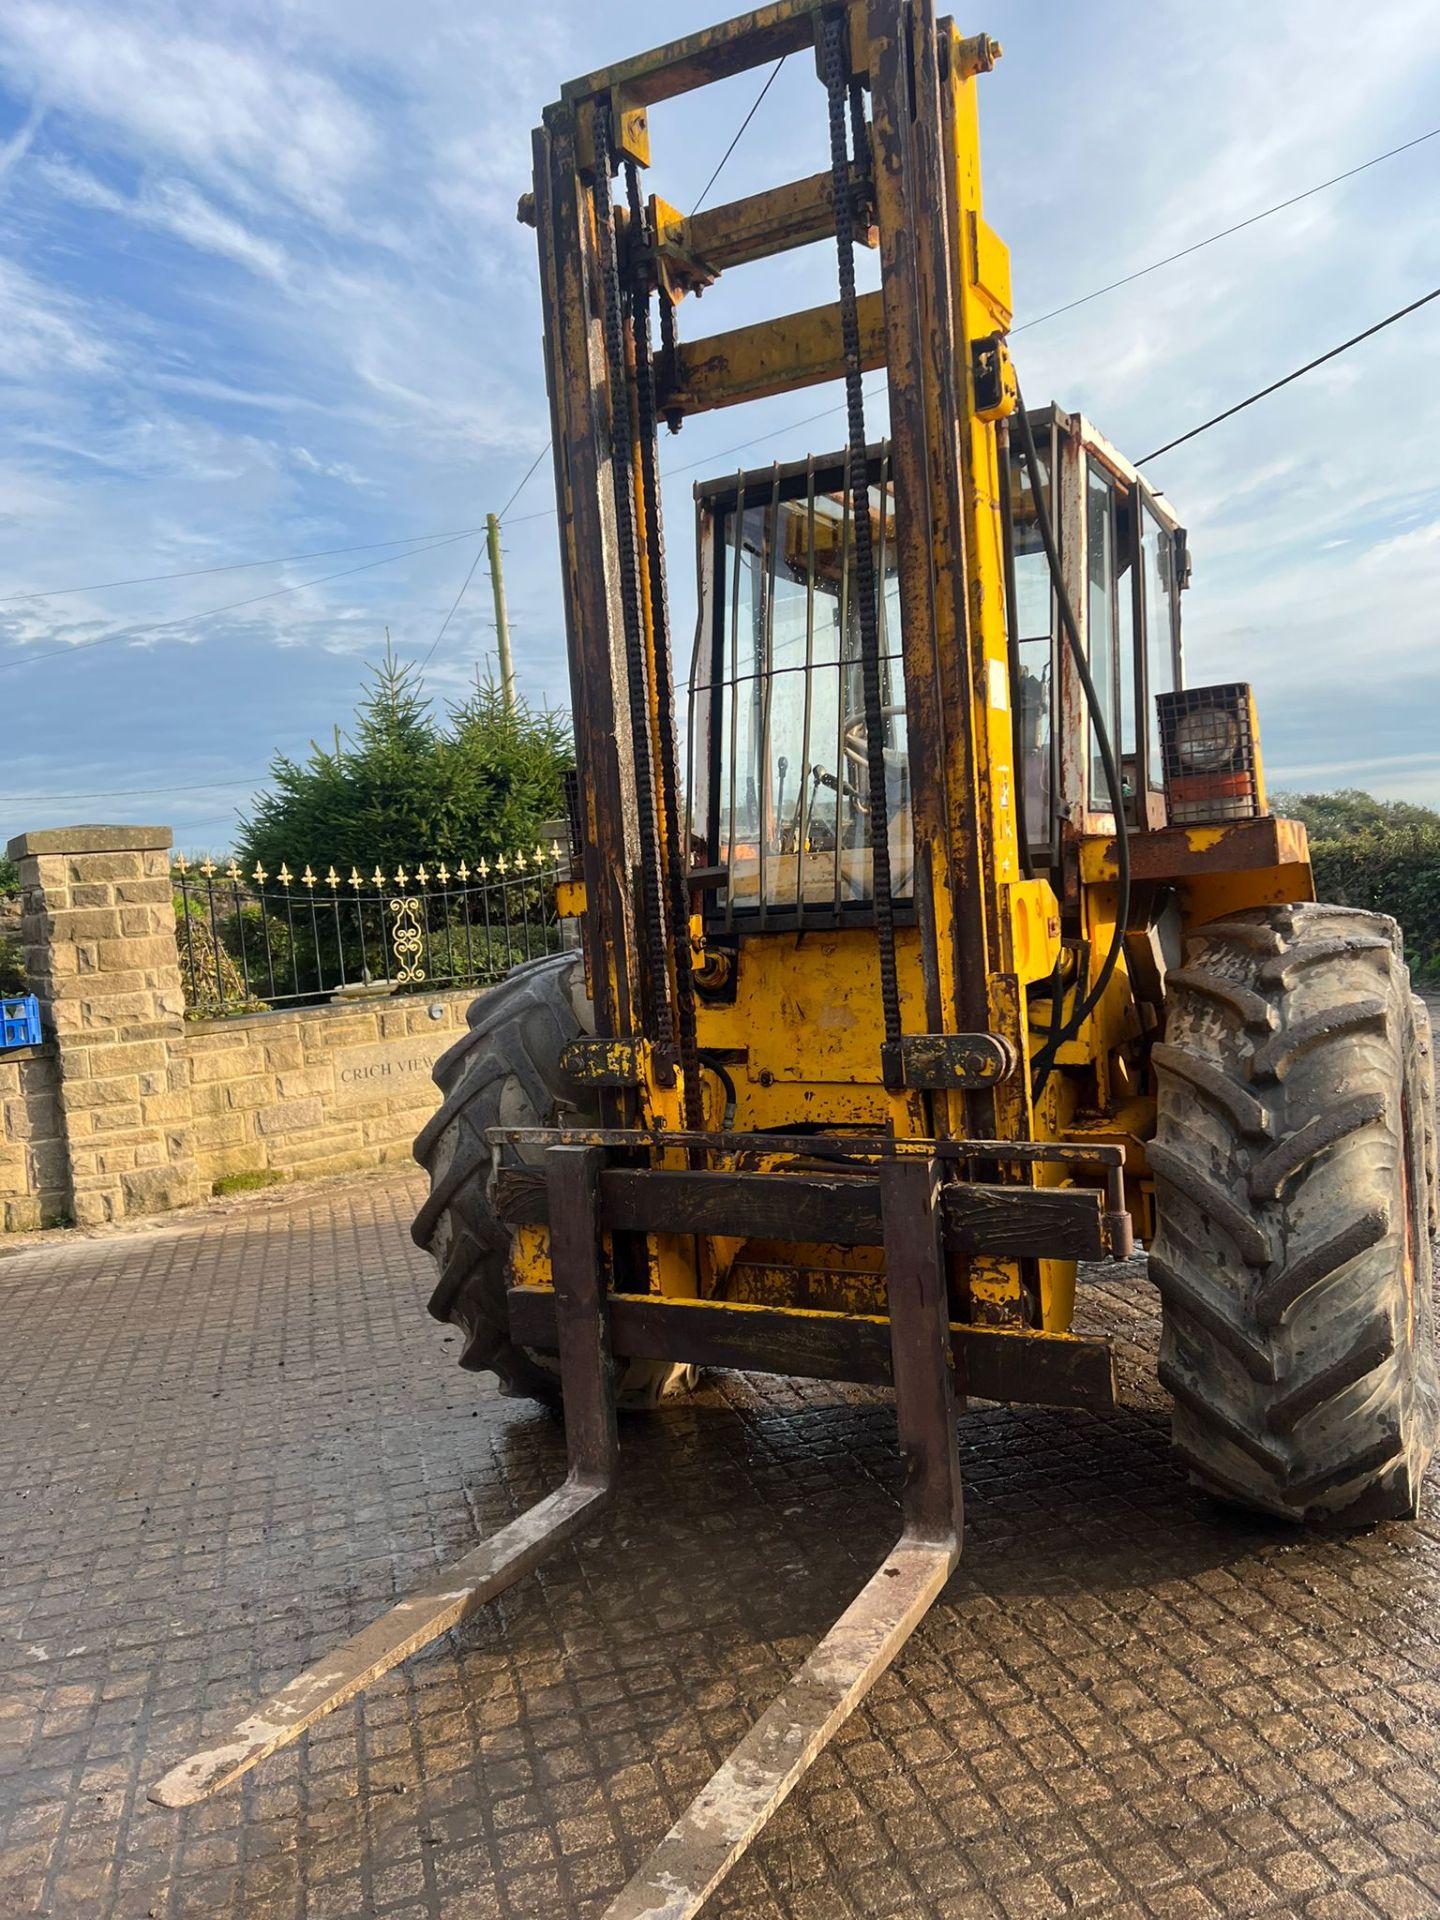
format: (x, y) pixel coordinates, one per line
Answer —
(572, 1175)
(722, 1821)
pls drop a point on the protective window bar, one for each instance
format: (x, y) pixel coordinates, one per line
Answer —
(1037, 627)
(784, 793)
(1158, 550)
(1101, 630)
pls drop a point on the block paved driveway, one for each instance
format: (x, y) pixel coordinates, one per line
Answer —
(226, 1445)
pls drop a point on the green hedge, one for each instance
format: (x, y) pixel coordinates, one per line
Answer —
(12, 966)
(1383, 855)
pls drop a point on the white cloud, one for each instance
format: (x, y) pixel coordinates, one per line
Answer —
(1334, 769)
(1415, 548)
(228, 110)
(45, 332)
(229, 395)
(184, 212)
(332, 469)
(14, 150)
(173, 207)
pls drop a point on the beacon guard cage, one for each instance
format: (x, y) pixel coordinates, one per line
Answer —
(1210, 751)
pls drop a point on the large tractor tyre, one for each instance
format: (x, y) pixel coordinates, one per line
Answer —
(1292, 1186)
(506, 1072)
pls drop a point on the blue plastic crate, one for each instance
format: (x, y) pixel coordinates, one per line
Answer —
(20, 1022)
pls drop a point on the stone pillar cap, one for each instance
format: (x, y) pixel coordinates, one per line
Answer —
(91, 840)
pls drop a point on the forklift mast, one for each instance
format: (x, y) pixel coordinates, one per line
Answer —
(904, 177)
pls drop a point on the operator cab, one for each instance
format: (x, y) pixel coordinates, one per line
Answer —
(1126, 561)
(778, 770)
(778, 777)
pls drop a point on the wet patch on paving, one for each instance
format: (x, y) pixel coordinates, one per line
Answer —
(227, 1446)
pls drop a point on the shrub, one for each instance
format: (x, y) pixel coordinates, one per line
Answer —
(12, 967)
(1383, 855)
(407, 787)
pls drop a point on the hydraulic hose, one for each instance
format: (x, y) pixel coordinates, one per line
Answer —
(1060, 1032)
(1012, 646)
(712, 1062)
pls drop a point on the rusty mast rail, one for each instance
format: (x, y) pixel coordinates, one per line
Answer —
(699, 59)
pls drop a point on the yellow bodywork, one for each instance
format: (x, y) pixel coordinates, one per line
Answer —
(798, 1028)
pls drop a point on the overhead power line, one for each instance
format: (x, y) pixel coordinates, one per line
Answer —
(1225, 232)
(425, 543)
(241, 566)
(827, 413)
(529, 475)
(1309, 367)
(116, 793)
(146, 628)
(739, 133)
(214, 786)
(721, 453)
(479, 551)
(190, 573)
(1110, 286)
(415, 539)
(546, 513)
(454, 606)
(105, 639)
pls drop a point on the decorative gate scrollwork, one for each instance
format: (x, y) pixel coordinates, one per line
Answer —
(407, 939)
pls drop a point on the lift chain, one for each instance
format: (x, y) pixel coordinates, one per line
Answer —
(637, 676)
(860, 140)
(669, 357)
(835, 51)
(675, 852)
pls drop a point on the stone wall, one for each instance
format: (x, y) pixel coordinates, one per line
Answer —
(34, 1165)
(323, 1090)
(131, 1108)
(98, 934)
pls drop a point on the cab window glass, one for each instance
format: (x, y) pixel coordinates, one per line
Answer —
(790, 807)
(1157, 560)
(1100, 609)
(1034, 605)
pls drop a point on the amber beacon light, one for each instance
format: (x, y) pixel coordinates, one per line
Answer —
(1210, 746)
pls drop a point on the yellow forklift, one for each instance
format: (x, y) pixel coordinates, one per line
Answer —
(949, 944)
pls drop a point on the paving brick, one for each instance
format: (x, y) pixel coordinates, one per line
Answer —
(227, 1444)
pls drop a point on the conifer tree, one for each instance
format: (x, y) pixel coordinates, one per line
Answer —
(406, 787)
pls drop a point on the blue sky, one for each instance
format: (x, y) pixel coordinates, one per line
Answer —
(262, 293)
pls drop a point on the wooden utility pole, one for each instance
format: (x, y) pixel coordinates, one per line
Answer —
(502, 624)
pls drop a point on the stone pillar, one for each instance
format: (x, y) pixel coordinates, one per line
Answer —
(99, 932)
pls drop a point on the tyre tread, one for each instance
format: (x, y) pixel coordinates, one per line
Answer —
(510, 1053)
(1296, 1336)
